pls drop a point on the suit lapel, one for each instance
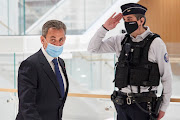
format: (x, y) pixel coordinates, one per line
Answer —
(48, 70)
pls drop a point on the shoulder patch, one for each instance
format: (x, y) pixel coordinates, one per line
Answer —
(166, 57)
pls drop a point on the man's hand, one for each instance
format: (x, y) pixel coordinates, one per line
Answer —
(161, 115)
(113, 21)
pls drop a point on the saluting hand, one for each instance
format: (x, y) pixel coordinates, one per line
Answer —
(113, 21)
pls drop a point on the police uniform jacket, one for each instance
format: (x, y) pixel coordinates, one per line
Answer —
(157, 54)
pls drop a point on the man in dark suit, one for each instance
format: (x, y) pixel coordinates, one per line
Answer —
(42, 79)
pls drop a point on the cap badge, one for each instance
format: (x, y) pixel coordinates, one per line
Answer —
(128, 10)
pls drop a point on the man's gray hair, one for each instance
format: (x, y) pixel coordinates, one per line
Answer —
(55, 24)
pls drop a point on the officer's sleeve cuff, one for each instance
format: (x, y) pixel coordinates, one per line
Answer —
(105, 28)
(163, 108)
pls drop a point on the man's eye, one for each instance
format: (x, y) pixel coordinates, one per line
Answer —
(53, 40)
(61, 40)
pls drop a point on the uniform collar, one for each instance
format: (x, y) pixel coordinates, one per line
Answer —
(141, 36)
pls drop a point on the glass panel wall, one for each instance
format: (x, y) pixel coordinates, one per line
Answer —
(174, 56)
(88, 74)
(91, 73)
(9, 106)
(9, 17)
(7, 71)
(85, 72)
(26, 17)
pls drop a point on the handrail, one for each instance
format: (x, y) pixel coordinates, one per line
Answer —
(82, 95)
(6, 26)
(88, 95)
(7, 90)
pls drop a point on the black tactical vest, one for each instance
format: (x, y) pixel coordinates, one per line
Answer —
(133, 67)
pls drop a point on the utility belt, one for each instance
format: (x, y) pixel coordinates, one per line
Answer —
(121, 98)
(153, 102)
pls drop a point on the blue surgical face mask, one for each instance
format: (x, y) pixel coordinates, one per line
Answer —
(53, 50)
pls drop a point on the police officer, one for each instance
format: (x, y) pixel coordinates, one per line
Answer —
(142, 62)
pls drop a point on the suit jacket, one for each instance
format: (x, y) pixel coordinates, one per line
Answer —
(38, 89)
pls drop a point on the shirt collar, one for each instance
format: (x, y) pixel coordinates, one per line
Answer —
(48, 57)
(141, 36)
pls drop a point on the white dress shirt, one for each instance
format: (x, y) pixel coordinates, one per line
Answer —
(49, 59)
(156, 54)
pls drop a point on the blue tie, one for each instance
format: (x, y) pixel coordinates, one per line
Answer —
(59, 77)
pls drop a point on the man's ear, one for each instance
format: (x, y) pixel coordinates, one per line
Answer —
(42, 39)
(142, 20)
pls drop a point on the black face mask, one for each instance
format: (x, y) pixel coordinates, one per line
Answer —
(131, 26)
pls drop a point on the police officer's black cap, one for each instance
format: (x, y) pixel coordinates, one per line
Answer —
(133, 8)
